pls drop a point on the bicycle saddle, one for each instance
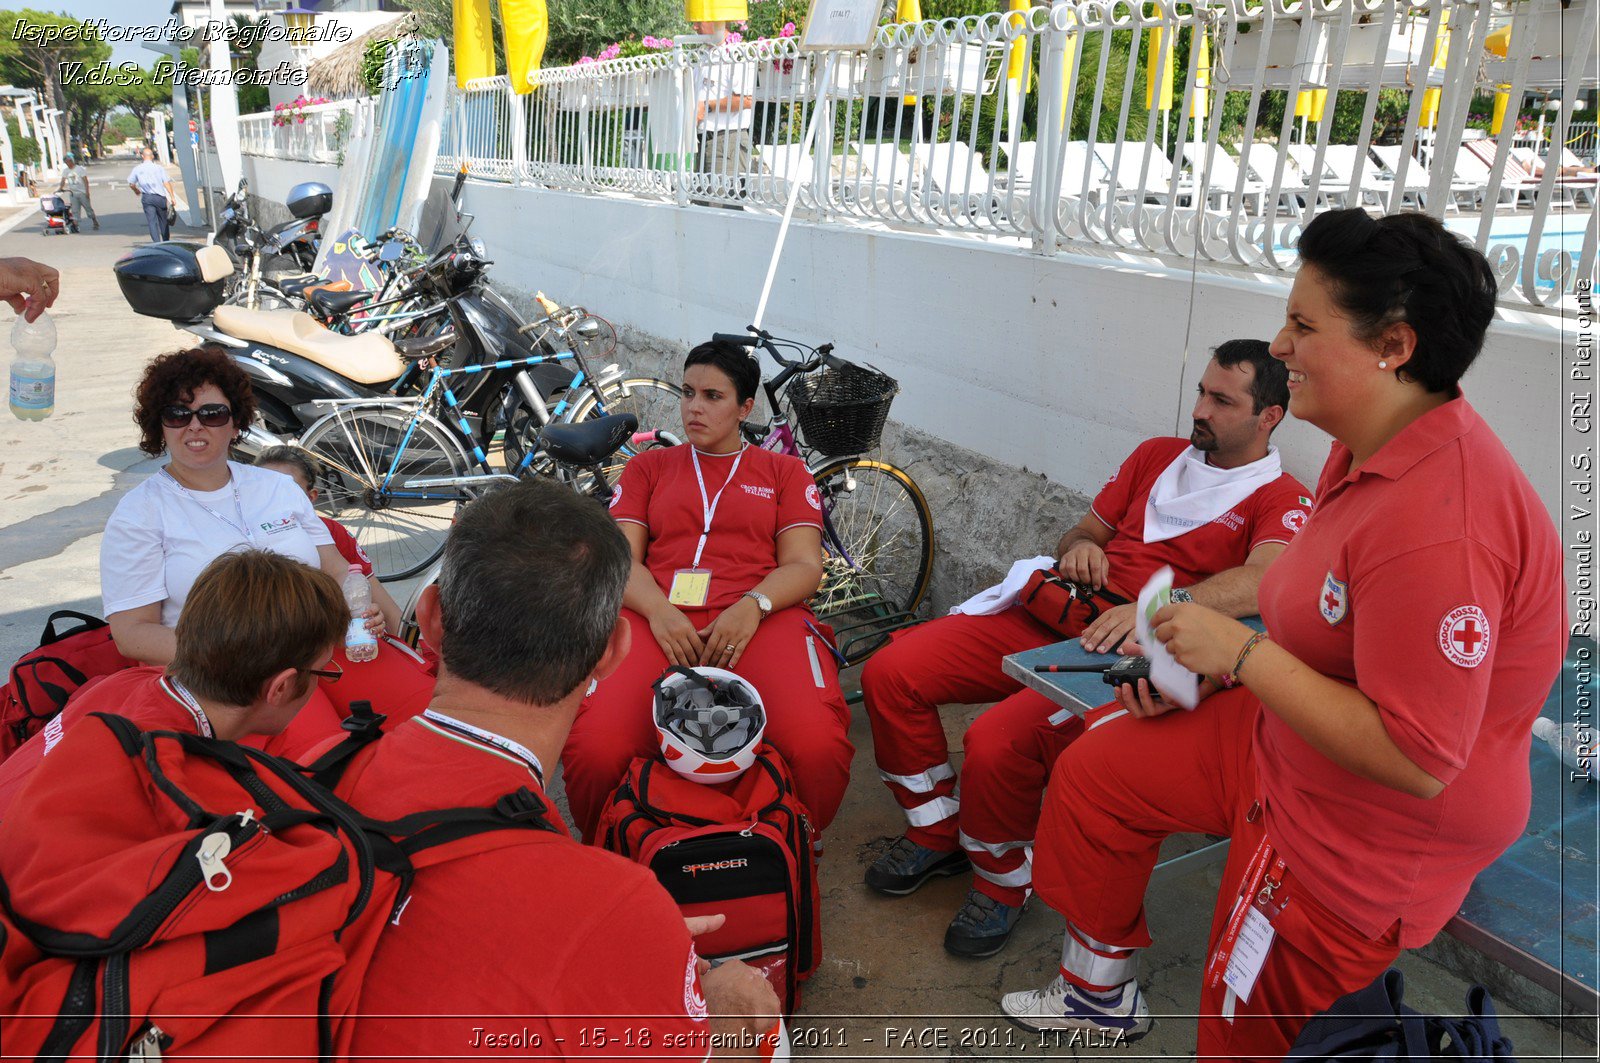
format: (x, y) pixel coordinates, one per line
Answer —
(300, 285)
(330, 302)
(589, 442)
(425, 346)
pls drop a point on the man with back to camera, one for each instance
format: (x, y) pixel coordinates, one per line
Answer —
(565, 937)
(151, 184)
(1217, 508)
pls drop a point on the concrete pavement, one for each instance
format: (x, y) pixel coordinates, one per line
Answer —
(884, 967)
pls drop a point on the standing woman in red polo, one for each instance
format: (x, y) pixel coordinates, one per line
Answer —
(727, 547)
(1372, 755)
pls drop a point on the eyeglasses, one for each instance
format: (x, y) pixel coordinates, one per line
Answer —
(212, 415)
(332, 674)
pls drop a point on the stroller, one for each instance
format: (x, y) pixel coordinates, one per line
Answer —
(57, 215)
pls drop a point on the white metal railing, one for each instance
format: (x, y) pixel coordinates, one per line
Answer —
(317, 133)
(1036, 126)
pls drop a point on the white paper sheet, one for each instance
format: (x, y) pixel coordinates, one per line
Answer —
(1176, 683)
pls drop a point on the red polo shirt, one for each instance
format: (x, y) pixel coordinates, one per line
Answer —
(1273, 514)
(1430, 579)
(765, 496)
(525, 950)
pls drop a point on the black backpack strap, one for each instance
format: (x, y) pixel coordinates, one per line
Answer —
(362, 728)
(57, 695)
(85, 623)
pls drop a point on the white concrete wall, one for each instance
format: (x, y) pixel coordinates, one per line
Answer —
(1059, 365)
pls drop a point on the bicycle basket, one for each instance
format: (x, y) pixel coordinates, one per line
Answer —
(841, 410)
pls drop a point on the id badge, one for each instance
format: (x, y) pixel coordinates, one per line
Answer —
(691, 587)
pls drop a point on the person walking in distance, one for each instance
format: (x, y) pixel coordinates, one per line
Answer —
(151, 184)
(75, 183)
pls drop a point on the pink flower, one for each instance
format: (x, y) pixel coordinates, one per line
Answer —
(733, 38)
(648, 41)
(787, 31)
(584, 60)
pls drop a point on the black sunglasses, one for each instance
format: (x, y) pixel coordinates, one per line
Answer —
(212, 415)
(332, 674)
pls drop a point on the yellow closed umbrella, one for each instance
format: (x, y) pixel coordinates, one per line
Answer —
(1441, 55)
(716, 10)
(1158, 66)
(527, 28)
(1499, 43)
(1309, 103)
(1502, 103)
(474, 46)
(1017, 60)
(908, 11)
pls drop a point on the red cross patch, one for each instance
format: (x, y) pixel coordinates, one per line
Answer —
(813, 496)
(1464, 636)
(1335, 600)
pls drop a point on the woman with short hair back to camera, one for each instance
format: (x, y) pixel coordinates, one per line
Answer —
(727, 548)
(1370, 757)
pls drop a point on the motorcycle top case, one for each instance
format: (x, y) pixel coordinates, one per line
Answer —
(309, 199)
(166, 280)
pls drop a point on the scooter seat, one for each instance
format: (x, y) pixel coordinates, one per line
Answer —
(589, 442)
(331, 302)
(365, 359)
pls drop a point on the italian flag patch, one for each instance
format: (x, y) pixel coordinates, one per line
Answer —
(1304, 501)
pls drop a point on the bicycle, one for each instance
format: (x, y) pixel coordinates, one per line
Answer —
(877, 528)
(396, 472)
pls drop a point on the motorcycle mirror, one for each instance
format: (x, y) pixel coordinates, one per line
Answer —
(391, 252)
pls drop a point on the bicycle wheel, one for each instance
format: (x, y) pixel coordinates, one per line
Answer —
(401, 529)
(877, 541)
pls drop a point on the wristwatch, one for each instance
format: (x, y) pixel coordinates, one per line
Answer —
(1181, 595)
(762, 602)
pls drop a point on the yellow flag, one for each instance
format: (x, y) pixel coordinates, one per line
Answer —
(1200, 102)
(527, 27)
(716, 10)
(1019, 47)
(474, 45)
(1160, 55)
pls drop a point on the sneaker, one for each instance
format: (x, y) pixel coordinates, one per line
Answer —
(982, 926)
(908, 865)
(1063, 1006)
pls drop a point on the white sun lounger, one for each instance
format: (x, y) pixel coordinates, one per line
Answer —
(1227, 181)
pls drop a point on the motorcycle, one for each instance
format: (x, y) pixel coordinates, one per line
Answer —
(264, 258)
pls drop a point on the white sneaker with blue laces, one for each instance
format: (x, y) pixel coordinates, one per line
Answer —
(1063, 1006)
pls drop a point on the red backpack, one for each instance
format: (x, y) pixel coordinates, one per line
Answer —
(742, 848)
(43, 679)
(160, 883)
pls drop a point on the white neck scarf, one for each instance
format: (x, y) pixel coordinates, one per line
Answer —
(1190, 492)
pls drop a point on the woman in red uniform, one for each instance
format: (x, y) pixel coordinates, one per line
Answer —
(727, 547)
(1372, 756)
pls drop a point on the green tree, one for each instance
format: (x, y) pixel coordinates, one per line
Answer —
(24, 150)
(146, 96)
(32, 64)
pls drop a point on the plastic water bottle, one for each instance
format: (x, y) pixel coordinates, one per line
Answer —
(1572, 742)
(359, 643)
(33, 370)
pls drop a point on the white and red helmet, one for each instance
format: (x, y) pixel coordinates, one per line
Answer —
(709, 722)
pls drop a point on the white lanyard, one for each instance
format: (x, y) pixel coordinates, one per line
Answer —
(190, 702)
(516, 749)
(708, 509)
(243, 527)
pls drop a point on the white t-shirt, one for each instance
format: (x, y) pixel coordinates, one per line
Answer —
(162, 535)
(721, 77)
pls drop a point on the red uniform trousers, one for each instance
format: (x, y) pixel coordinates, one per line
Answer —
(1113, 798)
(1009, 748)
(807, 720)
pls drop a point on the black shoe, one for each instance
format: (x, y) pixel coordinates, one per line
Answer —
(982, 926)
(908, 865)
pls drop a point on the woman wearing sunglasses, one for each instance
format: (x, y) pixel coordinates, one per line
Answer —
(191, 406)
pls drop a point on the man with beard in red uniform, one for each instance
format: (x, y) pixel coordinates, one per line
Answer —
(565, 937)
(1217, 508)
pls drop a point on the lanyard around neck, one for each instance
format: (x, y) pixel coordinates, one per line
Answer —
(242, 527)
(181, 694)
(515, 749)
(708, 507)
